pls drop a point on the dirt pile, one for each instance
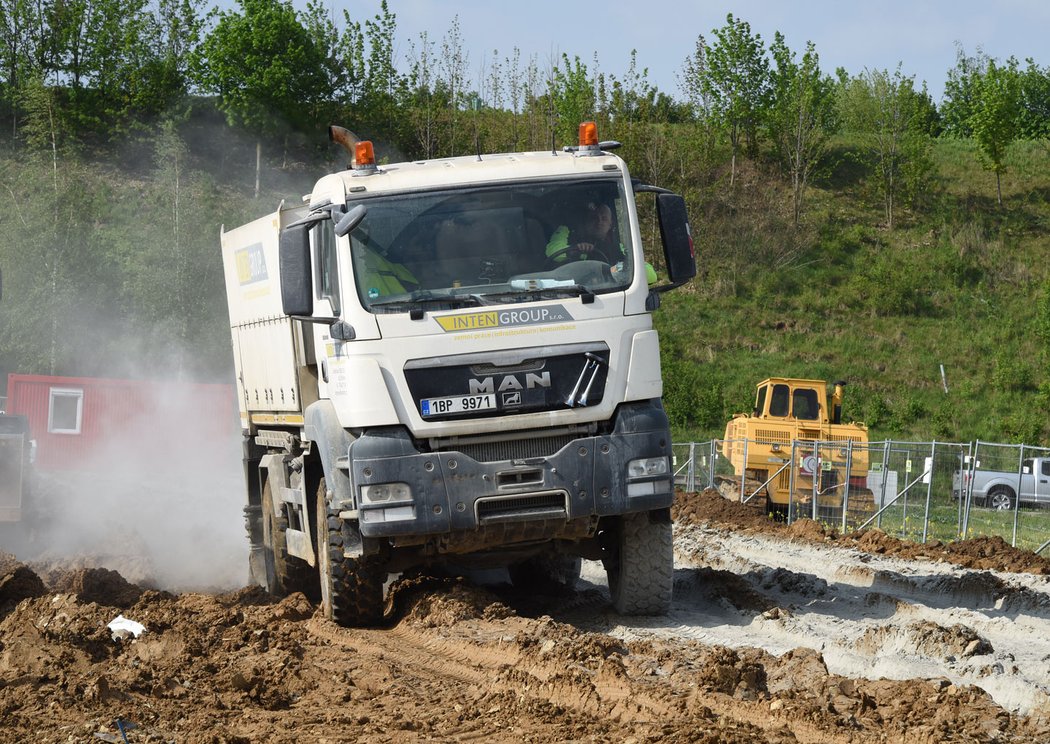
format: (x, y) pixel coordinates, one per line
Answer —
(982, 553)
(455, 661)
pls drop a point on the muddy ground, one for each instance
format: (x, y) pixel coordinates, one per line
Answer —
(777, 634)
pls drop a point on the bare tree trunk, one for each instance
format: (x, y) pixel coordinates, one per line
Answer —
(258, 165)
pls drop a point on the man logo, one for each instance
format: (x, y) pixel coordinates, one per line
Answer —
(511, 399)
(509, 382)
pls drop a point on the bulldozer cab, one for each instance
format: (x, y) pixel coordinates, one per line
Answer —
(782, 398)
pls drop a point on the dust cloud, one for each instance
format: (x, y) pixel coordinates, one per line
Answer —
(159, 500)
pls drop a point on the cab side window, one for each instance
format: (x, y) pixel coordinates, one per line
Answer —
(804, 404)
(760, 404)
(327, 280)
(778, 404)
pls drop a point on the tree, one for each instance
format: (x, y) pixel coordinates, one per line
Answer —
(24, 49)
(700, 101)
(452, 67)
(960, 91)
(1035, 102)
(423, 104)
(735, 79)
(572, 91)
(266, 69)
(891, 117)
(995, 119)
(802, 116)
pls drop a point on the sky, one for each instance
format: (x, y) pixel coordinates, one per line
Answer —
(921, 35)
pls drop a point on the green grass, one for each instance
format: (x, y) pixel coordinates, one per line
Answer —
(945, 524)
(957, 283)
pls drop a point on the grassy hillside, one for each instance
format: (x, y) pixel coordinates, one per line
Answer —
(958, 282)
(123, 277)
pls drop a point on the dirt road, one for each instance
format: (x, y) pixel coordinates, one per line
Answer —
(777, 634)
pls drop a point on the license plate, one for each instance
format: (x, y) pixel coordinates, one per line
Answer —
(457, 404)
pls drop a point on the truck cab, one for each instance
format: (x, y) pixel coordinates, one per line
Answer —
(428, 375)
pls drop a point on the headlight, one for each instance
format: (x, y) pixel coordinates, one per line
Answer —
(647, 467)
(383, 492)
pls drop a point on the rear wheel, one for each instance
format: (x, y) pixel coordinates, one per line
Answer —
(285, 574)
(1001, 498)
(641, 571)
(351, 588)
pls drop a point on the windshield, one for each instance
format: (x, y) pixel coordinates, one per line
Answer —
(515, 242)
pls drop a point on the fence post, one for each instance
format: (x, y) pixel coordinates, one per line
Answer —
(691, 478)
(845, 491)
(971, 471)
(1017, 494)
(929, 490)
(711, 466)
(743, 473)
(816, 477)
(791, 480)
(885, 477)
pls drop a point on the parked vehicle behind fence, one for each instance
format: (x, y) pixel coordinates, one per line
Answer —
(999, 489)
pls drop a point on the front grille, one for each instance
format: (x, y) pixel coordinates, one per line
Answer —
(521, 508)
(513, 449)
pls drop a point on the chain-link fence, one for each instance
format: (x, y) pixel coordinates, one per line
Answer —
(918, 491)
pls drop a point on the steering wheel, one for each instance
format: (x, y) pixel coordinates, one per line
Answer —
(594, 254)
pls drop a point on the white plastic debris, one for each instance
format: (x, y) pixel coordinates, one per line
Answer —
(121, 628)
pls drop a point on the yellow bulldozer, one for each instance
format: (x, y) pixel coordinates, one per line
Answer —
(794, 450)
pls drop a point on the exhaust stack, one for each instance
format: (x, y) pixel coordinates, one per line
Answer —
(345, 138)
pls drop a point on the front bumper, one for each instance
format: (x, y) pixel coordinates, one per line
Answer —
(451, 491)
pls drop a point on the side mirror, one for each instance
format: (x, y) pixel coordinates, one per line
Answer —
(350, 220)
(678, 243)
(297, 288)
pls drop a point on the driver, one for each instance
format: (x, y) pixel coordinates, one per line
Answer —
(596, 235)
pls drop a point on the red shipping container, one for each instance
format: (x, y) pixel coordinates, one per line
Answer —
(83, 423)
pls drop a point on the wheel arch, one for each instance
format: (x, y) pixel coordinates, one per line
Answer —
(332, 443)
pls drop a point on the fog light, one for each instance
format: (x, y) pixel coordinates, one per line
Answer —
(647, 467)
(390, 514)
(648, 488)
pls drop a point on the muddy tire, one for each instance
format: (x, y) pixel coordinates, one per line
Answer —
(546, 572)
(1000, 498)
(351, 588)
(285, 574)
(641, 572)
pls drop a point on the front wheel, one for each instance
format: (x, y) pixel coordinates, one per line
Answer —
(351, 588)
(641, 571)
(1001, 499)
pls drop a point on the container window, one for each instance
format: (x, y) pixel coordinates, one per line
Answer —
(65, 411)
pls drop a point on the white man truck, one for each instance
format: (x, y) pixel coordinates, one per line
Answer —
(424, 381)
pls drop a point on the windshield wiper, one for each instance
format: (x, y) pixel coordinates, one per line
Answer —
(528, 293)
(422, 299)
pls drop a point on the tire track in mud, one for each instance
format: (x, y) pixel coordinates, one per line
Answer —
(870, 616)
(538, 659)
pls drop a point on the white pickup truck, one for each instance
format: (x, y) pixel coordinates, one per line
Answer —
(998, 490)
